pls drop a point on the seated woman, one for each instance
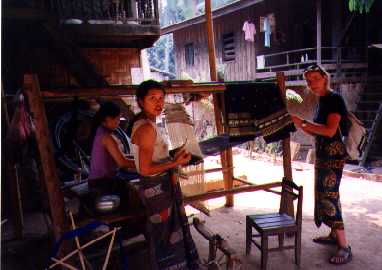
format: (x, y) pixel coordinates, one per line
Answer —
(167, 230)
(106, 155)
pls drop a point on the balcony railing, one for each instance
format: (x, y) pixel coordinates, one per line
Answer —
(296, 59)
(106, 11)
(343, 63)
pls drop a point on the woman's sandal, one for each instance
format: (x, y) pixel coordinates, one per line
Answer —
(325, 240)
(343, 255)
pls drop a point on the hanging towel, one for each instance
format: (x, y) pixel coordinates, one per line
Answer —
(267, 32)
(260, 62)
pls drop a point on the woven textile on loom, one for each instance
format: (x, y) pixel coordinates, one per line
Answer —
(253, 106)
(180, 130)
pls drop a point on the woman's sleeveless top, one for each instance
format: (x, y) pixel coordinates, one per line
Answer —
(160, 153)
(102, 164)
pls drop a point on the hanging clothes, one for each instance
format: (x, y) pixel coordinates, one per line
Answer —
(249, 30)
(257, 106)
(260, 62)
(267, 32)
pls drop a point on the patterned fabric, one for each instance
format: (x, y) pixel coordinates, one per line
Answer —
(171, 245)
(327, 198)
(275, 126)
(253, 106)
(330, 161)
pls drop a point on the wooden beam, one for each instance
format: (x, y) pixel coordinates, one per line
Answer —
(55, 196)
(286, 202)
(129, 90)
(318, 29)
(26, 14)
(345, 29)
(16, 203)
(210, 40)
(72, 57)
(216, 242)
(252, 184)
(225, 156)
(220, 193)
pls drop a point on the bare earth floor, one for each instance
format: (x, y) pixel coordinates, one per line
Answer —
(362, 210)
(361, 204)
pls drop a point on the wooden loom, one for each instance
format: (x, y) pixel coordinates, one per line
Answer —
(180, 130)
(50, 178)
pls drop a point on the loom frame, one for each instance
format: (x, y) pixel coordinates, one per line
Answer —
(36, 98)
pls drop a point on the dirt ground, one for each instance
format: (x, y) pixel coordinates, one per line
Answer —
(362, 210)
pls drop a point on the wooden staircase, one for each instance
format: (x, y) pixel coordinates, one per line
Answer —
(369, 111)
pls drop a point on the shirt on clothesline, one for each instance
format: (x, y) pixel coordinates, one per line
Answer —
(249, 31)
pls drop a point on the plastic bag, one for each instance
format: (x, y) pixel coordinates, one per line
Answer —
(20, 129)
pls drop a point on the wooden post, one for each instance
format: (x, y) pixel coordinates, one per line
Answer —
(13, 181)
(156, 11)
(225, 156)
(17, 210)
(133, 9)
(55, 196)
(286, 203)
(319, 31)
(210, 41)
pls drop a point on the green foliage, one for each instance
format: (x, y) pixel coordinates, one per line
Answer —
(360, 5)
(174, 12)
(157, 54)
(291, 95)
(260, 146)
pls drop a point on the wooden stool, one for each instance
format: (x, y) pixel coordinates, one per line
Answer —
(276, 224)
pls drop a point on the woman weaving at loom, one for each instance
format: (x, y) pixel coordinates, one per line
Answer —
(167, 230)
(330, 120)
(106, 156)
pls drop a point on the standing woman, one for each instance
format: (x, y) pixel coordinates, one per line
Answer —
(167, 231)
(329, 124)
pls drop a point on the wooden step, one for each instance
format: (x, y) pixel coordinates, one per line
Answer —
(375, 157)
(373, 89)
(365, 114)
(371, 96)
(368, 105)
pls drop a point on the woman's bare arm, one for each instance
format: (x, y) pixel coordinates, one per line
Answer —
(327, 130)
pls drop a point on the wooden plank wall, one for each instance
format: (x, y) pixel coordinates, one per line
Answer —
(114, 64)
(295, 28)
(240, 69)
(289, 17)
